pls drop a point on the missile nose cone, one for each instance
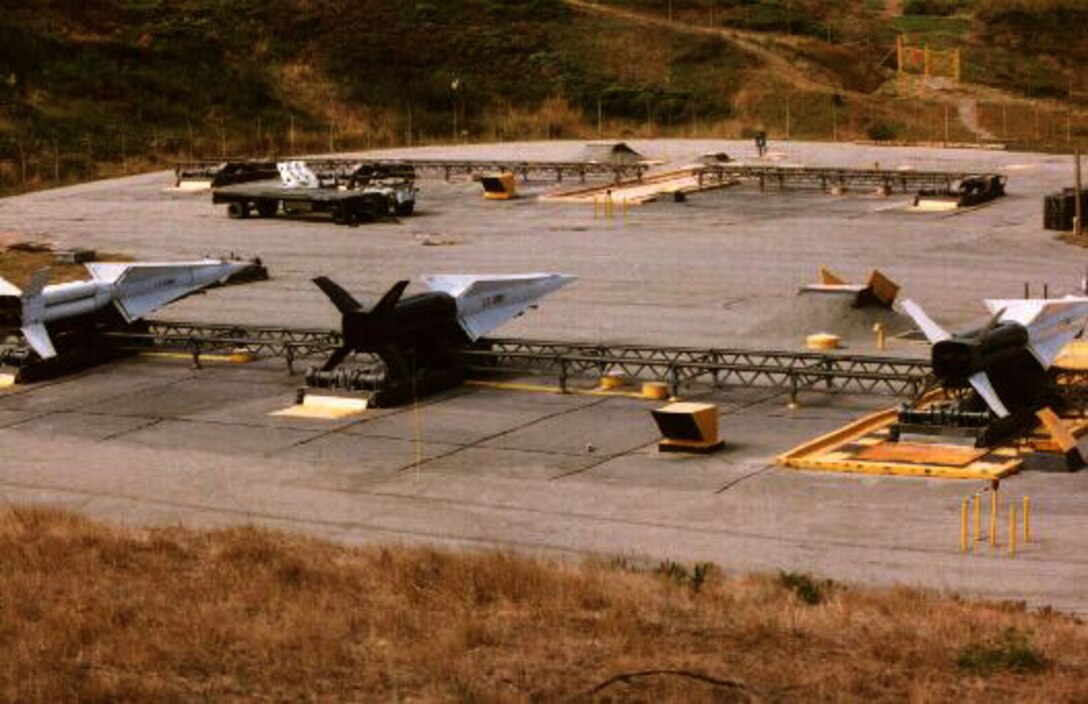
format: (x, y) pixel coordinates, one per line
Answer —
(554, 282)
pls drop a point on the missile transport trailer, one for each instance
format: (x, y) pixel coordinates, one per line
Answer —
(201, 175)
(349, 195)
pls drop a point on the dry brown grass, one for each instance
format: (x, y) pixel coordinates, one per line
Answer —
(19, 262)
(91, 612)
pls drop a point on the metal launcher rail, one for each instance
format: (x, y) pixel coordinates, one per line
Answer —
(825, 177)
(558, 170)
(196, 339)
(793, 371)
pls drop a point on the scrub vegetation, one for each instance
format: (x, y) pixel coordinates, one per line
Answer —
(91, 612)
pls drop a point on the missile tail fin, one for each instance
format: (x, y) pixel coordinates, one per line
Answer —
(338, 356)
(38, 281)
(340, 298)
(389, 300)
(981, 384)
(484, 302)
(9, 289)
(38, 338)
(932, 331)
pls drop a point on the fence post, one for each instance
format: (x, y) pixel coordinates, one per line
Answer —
(1012, 528)
(963, 526)
(1027, 519)
(978, 517)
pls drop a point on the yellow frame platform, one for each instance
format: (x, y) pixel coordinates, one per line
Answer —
(845, 450)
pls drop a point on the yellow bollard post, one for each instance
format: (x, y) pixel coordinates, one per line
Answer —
(1012, 528)
(881, 342)
(993, 517)
(595, 199)
(1027, 519)
(963, 526)
(978, 517)
(624, 206)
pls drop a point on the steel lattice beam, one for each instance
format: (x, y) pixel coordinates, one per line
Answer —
(825, 177)
(716, 367)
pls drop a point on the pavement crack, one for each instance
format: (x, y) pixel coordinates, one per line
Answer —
(730, 484)
(416, 465)
(144, 426)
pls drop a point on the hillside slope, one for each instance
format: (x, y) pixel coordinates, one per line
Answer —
(93, 88)
(96, 613)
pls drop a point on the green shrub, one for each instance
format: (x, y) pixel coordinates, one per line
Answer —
(807, 589)
(696, 578)
(882, 131)
(1011, 651)
(942, 8)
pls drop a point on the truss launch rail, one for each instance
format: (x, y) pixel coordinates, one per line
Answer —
(222, 173)
(558, 170)
(826, 177)
(678, 366)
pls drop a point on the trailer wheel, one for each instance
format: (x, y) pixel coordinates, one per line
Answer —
(406, 208)
(238, 209)
(267, 207)
(351, 217)
(338, 214)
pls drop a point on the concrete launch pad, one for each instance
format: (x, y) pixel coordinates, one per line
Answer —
(151, 440)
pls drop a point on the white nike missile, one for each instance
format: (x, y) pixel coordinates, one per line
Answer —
(120, 292)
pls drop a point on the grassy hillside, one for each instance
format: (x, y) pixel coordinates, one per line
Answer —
(94, 613)
(93, 88)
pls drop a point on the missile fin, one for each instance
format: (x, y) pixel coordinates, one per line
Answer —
(38, 281)
(932, 331)
(38, 338)
(340, 298)
(141, 288)
(1051, 324)
(981, 383)
(486, 302)
(389, 300)
(9, 289)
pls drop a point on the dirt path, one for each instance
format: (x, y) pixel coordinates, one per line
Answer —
(967, 108)
(752, 42)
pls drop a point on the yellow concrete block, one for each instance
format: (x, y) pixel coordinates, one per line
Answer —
(242, 355)
(822, 341)
(655, 390)
(688, 427)
(7, 380)
(610, 382)
(325, 408)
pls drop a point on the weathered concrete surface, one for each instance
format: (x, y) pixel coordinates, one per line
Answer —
(522, 474)
(701, 273)
(151, 440)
